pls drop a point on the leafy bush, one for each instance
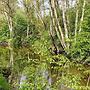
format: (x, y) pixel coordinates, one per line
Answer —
(3, 83)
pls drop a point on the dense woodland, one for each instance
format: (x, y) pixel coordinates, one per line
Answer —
(44, 44)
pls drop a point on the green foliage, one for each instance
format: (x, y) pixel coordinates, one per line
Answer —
(33, 57)
(4, 58)
(4, 31)
(81, 49)
(3, 83)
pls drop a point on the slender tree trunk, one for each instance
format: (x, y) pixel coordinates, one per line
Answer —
(82, 17)
(53, 22)
(68, 21)
(67, 16)
(10, 25)
(76, 20)
(64, 18)
(44, 12)
(56, 23)
(88, 81)
(52, 32)
(11, 42)
(27, 29)
(64, 21)
(39, 15)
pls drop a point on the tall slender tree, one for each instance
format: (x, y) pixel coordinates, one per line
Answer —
(56, 23)
(9, 10)
(76, 19)
(82, 16)
(64, 20)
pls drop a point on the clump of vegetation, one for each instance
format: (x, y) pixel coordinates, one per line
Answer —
(44, 44)
(3, 83)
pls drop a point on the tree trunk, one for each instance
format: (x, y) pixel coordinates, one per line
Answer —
(64, 18)
(82, 17)
(52, 33)
(76, 20)
(64, 21)
(38, 13)
(27, 30)
(56, 23)
(88, 81)
(10, 25)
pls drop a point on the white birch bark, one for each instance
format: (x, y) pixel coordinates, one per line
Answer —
(64, 18)
(82, 17)
(76, 20)
(65, 21)
(57, 24)
(10, 25)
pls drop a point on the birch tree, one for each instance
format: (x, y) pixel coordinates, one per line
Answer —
(9, 10)
(76, 19)
(37, 7)
(56, 23)
(64, 20)
(82, 16)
